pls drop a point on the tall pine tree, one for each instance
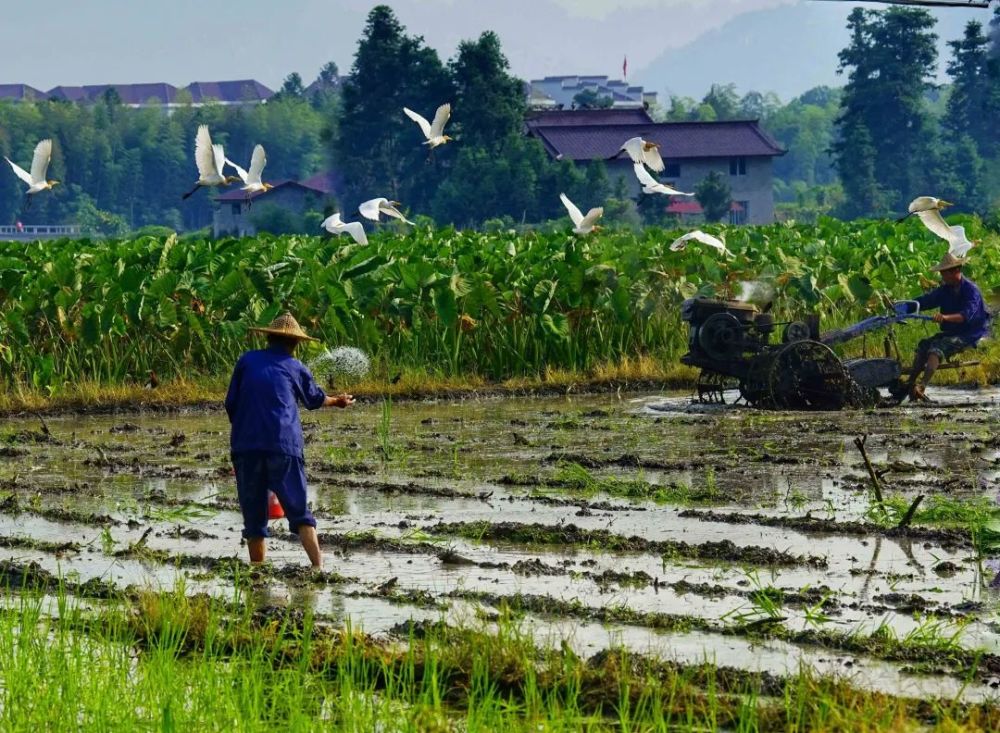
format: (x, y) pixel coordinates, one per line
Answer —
(378, 148)
(890, 61)
(967, 105)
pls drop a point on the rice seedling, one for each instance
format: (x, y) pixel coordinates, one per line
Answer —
(170, 661)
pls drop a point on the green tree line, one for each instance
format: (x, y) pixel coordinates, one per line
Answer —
(122, 169)
(888, 135)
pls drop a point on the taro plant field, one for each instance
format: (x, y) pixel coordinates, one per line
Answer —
(444, 302)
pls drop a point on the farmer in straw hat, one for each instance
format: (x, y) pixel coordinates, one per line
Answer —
(266, 438)
(963, 317)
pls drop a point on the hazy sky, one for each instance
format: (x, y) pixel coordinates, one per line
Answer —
(117, 41)
(94, 41)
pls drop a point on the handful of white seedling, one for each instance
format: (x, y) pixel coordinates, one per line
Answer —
(344, 361)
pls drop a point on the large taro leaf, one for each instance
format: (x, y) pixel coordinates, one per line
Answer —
(363, 267)
(555, 324)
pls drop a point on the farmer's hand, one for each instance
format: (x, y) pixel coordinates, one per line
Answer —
(341, 400)
(938, 318)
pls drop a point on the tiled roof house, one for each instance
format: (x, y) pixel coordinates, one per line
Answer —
(234, 213)
(739, 149)
(20, 92)
(243, 91)
(158, 94)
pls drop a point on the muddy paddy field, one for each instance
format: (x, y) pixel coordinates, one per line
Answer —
(747, 540)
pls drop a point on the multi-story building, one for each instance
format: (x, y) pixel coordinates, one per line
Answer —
(560, 92)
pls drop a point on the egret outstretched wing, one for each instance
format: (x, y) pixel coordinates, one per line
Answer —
(40, 161)
(591, 218)
(204, 155)
(651, 185)
(425, 126)
(219, 159)
(389, 209)
(574, 213)
(370, 209)
(239, 171)
(257, 163)
(440, 120)
(699, 236)
(933, 220)
(959, 245)
(356, 229)
(19, 171)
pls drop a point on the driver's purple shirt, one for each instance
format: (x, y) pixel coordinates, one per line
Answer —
(965, 299)
(262, 402)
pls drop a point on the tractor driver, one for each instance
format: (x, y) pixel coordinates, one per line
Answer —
(962, 314)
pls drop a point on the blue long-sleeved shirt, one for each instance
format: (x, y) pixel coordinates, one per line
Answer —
(965, 299)
(262, 402)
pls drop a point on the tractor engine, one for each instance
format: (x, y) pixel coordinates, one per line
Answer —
(734, 345)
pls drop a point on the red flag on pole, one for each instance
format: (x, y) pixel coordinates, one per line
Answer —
(625, 68)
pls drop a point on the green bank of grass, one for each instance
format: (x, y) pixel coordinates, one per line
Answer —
(166, 661)
(642, 373)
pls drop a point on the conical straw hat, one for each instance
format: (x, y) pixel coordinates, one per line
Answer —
(948, 262)
(285, 325)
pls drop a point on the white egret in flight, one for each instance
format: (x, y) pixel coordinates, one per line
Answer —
(699, 236)
(39, 167)
(252, 182)
(582, 224)
(372, 209)
(210, 159)
(925, 203)
(651, 185)
(645, 152)
(928, 209)
(433, 131)
(356, 229)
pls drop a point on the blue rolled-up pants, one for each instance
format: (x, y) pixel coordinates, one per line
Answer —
(258, 472)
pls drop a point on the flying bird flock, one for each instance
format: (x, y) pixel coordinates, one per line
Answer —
(211, 161)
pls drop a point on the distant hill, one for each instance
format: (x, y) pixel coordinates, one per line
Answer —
(786, 50)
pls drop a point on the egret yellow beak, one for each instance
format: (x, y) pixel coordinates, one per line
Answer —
(52, 183)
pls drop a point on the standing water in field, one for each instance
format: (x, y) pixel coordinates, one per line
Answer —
(344, 361)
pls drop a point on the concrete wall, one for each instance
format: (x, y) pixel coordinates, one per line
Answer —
(756, 188)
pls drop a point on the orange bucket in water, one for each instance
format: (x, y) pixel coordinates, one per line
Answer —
(274, 510)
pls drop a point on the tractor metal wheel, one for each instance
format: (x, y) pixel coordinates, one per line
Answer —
(755, 387)
(807, 375)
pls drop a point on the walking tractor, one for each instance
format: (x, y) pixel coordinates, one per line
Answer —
(791, 365)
